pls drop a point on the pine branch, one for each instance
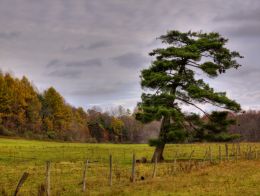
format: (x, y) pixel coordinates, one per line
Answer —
(190, 61)
(190, 103)
(193, 65)
(214, 104)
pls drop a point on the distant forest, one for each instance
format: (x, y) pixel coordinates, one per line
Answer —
(25, 112)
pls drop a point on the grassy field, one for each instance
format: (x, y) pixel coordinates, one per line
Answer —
(186, 176)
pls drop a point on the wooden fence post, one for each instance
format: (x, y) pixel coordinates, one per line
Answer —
(210, 154)
(133, 169)
(205, 156)
(233, 148)
(247, 153)
(124, 154)
(227, 155)
(250, 153)
(175, 165)
(176, 155)
(155, 166)
(110, 170)
(48, 178)
(20, 183)
(84, 176)
(191, 157)
(239, 152)
(236, 151)
(236, 154)
(219, 154)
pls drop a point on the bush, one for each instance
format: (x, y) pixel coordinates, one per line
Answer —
(5, 132)
(39, 137)
(91, 140)
(28, 134)
(51, 134)
(67, 138)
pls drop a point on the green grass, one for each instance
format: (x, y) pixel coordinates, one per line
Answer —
(196, 177)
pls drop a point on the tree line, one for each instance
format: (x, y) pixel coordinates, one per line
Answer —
(25, 112)
(247, 125)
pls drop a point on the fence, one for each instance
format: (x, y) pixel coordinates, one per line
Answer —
(90, 169)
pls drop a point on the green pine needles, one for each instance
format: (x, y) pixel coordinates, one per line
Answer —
(171, 82)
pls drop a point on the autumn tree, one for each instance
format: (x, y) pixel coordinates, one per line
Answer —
(26, 112)
(55, 113)
(170, 81)
(19, 104)
(78, 128)
(117, 127)
(32, 105)
(248, 126)
(6, 100)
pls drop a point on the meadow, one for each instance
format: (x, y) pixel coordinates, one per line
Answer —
(189, 169)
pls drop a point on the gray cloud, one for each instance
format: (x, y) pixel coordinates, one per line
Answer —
(65, 73)
(75, 64)
(241, 22)
(9, 35)
(108, 89)
(130, 60)
(82, 47)
(75, 48)
(86, 63)
(245, 14)
(244, 30)
(53, 63)
(99, 44)
(97, 48)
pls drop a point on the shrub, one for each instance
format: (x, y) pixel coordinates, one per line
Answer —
(51, 134)
(28, 134)
(91, 140)
(4, 131)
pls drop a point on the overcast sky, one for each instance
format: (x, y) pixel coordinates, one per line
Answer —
(92, 51)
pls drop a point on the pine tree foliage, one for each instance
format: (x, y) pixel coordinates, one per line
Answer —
(171, 80)
(217, 126)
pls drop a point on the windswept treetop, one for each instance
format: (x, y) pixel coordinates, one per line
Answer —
(170, 80)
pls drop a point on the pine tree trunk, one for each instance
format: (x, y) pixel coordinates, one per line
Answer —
(158, 153)
(159, 149)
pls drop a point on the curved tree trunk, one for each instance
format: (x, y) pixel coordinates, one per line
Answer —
(158, 152)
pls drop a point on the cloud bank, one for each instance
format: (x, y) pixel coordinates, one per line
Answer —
(93, 51)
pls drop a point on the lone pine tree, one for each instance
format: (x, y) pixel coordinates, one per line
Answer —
(171, 82)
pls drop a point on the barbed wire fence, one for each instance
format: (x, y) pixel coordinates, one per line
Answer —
(83, 169)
